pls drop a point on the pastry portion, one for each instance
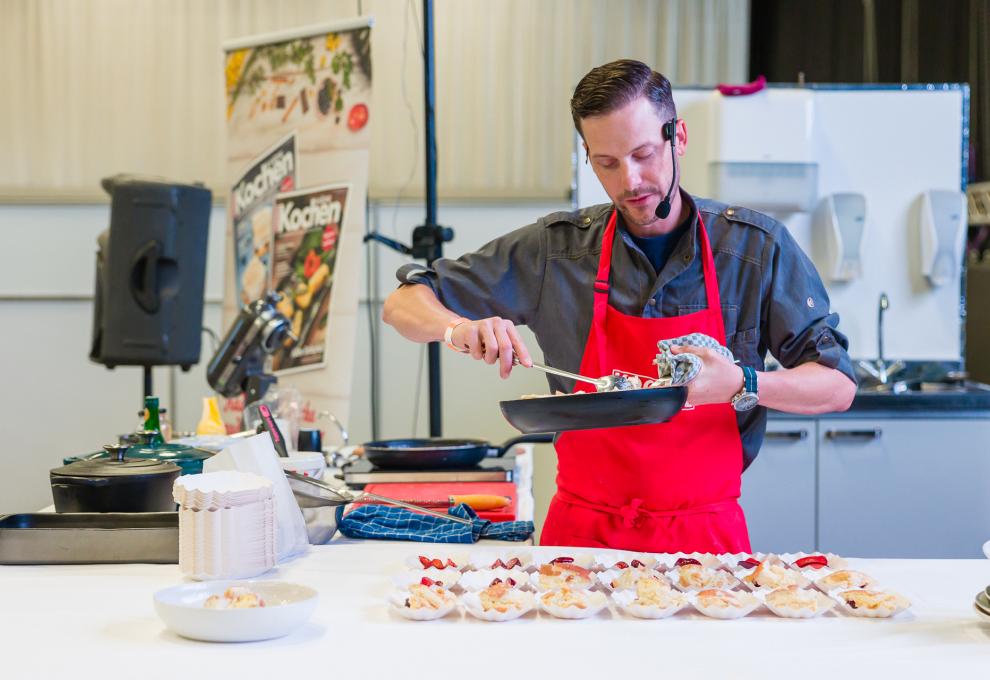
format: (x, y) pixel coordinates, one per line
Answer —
(715, 598)
(655, 592)
(874, 603)
(629, 578)
(793, 597)
(770, 575)
(235, 597)
(575, 602)
(500, 597)
(697, 577)
(845, 579)
(559, 575)
(427, 597)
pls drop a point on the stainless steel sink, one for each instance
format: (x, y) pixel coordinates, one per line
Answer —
(925, 387)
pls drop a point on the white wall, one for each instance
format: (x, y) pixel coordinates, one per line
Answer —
(55, 402)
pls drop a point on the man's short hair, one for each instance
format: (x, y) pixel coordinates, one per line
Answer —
(611, 86)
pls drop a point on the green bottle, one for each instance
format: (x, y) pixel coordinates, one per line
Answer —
(151, 421)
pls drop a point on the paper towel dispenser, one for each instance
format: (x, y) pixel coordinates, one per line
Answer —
(839, 224)
(943, 235)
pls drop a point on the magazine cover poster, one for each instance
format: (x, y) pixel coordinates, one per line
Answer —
(252, 201)
(308, 224)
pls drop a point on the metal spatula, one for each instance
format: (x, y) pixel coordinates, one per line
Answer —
(312, 493)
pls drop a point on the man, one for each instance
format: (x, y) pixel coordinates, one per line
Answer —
(599, 287)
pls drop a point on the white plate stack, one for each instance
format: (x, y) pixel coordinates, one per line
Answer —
(226, 525)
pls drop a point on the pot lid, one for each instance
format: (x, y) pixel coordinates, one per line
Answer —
(167, 452)
(104, 467)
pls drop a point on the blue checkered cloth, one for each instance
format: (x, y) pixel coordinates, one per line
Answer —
(683, 368)
(398, 524)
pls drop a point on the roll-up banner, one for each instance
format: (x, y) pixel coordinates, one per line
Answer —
(298, 140)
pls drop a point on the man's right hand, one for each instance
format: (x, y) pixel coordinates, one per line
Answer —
(492, 339)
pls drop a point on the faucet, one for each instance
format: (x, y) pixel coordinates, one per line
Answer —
(879, 368)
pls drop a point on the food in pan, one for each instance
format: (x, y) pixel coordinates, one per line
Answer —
(693, 576)
(559, 575)
(873, 603)
(770, 575)
(795, 602)
(845, 579)
(235, 597)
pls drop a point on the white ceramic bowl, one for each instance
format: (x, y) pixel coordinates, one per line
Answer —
(986, 549)
(287, 606)
(308, 463)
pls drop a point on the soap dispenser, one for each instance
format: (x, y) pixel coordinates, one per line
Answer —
(839, 224)
(943, 235)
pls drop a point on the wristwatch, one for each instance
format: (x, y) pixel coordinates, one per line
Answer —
(746, 398)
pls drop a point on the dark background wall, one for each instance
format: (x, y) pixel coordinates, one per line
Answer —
(880, 41)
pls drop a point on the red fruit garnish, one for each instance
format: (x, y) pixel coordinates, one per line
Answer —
(498, 563)
(426, 581)
(637, 564)
(749, 563)
(813, 561)
(686, 560)
(621, 565)
(562, 560)
(511, 582)
(425, 561)
(437, 563)
(494, 582)
(358, 117)
(450, 563)
(514, 562)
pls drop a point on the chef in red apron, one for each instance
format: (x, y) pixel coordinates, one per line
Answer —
(671, 487)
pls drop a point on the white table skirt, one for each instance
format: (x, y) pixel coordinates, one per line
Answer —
(98, 622)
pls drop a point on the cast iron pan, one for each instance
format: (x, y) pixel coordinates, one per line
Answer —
(594, 410)
(431, 454)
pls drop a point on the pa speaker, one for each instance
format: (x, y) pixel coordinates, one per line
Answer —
(150, 274)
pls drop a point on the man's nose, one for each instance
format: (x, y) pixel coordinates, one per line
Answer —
(630, 176)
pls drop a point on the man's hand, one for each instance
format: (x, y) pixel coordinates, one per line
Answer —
(492, 339)
(718, 381)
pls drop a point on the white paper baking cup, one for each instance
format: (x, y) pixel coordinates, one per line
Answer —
(448, 578)
(474, 581)
(481, 560)
(748, 601)
(823, 605)
(625, 600)
(610, 560)
(594, 600)
(899, 605)
(472, 605)
(397, 600)
(628, 578)
(828, 582)
(772, 574)
(458, 558)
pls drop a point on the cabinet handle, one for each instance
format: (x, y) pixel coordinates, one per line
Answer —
(786, 436)
(853, 435)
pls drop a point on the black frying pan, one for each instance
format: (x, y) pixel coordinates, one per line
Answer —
(594, 410)
(432, 454)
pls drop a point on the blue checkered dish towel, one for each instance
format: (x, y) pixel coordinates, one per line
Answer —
(683, 368)
(398, 524)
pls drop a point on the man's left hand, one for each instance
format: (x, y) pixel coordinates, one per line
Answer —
(718, 381)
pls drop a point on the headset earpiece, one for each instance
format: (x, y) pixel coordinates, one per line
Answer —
(669, 131)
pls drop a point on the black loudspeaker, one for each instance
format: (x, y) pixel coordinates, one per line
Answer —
(150, 274)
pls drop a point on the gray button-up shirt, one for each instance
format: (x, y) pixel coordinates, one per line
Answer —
(542, 275)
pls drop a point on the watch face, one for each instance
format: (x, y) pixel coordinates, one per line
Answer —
(745, 401)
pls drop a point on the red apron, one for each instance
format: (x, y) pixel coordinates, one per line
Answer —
(672, 487)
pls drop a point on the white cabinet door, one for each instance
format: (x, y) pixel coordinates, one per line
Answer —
(778, 489)
(904, 488)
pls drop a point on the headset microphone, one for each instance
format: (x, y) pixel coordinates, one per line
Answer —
(669, 131)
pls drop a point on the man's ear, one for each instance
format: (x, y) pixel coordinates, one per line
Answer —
(585, 145)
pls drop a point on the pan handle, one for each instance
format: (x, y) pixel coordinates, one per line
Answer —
(538, 438)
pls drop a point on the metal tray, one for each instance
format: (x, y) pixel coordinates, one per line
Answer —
(594, 410)
(90, 538)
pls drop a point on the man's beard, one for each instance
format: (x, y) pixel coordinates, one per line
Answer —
(645, 221)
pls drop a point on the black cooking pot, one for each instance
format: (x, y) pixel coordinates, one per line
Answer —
(432, 454)
(114, 484)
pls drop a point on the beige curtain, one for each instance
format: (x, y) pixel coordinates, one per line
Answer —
(104, 86)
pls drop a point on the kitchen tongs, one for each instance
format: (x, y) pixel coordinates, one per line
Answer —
(607, 383)
(312, 493)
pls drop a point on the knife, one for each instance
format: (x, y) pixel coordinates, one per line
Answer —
(473, 501)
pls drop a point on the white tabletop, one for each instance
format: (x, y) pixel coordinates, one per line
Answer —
(98, 622)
